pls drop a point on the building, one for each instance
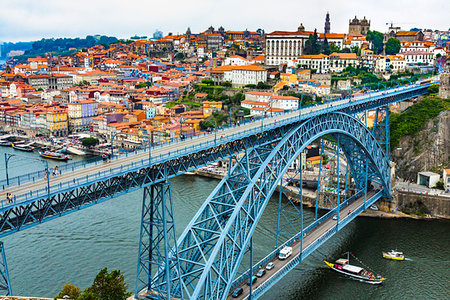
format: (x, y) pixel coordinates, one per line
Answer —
(239, 76)
(408, 36)
(357, 27)
(446, 179)
(50, 82)
(284, 102)
(57, 122)
(81, 114)
(284, 46)
(340, 61)
(397, 63)
(320, 62)
(327, 24)
(428, 179)
(209, 107)
(414, 58)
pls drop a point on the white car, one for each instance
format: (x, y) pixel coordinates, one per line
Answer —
(270, 266)
(335, 217)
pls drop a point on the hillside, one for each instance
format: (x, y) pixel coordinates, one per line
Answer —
(420, 138)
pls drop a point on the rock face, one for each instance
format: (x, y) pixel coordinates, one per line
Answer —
(444, 86)
(428, 151)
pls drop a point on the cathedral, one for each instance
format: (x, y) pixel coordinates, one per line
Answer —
(357, 27)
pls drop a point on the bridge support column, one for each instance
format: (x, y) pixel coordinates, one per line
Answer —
(5, 284)
(157, 246)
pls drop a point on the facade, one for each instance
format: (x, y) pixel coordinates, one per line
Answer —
(57, 122)
(413, 58)
(50, 82)
(446, 179)
(357, 27)
(319, 62)
(409, 36)
(209, 107)
(239, 75)
(340, 61)
(81, 114)
(284, 46)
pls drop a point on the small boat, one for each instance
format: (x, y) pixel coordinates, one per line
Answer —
(5, 143)
(394, 255)
(26, 148)
(54, 155)
(342, 266)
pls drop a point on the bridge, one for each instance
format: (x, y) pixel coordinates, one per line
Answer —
(207, 260)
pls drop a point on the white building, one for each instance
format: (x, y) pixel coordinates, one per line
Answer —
(239, 75)
(340, 61)
(418, 57)
(283, 46)
(428, 179)
(397, 63)
(284, 102)
(446, 179)
(236, 60)
(320, 62)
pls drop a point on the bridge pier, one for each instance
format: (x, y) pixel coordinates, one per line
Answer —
(5, 284)
(157, 245)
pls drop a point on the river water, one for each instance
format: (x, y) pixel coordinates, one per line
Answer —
(75, 247)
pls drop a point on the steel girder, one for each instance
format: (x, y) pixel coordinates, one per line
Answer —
(5, 284)
(212, 245)
(27, 214)
(155, 252)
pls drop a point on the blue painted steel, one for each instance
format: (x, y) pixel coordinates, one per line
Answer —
(5, 284)
(156, 253)
(210, 248)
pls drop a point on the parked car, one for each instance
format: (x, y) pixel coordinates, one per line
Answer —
(252, 280)
(261, 273)
(237, 292)
(270, 266)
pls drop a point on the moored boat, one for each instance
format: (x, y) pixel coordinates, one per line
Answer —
(5, 143)
(54, 155)
(343, 266)
(394, 255)
(26, 148)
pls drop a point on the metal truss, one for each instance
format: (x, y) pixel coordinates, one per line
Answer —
(212, 245)
(381, 129)
(155, 251)
(5, 285)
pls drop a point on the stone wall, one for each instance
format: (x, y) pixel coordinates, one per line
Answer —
(444, 87)
(438, 206)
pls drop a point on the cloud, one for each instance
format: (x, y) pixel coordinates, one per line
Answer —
(31, 19)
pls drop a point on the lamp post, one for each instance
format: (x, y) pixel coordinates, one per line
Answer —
(112, 136)
(7, 158)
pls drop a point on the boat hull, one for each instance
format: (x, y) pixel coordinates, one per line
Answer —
(54, 157)
(387, 256)
(23, 149)
(356, 277)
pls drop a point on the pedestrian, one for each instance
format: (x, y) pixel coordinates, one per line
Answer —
(7, 197)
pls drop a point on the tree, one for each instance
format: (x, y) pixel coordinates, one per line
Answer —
(376, 38)
(226, 84)
(312, 45)
(433, 89)
(438, 55)
(141, 85)
(88, 296)
(83, 83)
(69, 289)
(392, 46)
(326, 47)
(333, 47)
(89, 142)
(109, 286)
(208, 81)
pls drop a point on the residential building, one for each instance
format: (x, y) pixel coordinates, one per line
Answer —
(320, 62)
(340, 61)
(239, 75)
(57, 121)
(209, 107)
(418, 58)
(81, 114)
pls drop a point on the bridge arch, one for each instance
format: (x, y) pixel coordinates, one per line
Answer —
(213, 244)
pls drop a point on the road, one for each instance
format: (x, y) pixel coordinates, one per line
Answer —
(308, 239)
(72, 176)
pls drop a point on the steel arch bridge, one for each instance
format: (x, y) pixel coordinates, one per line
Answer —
(208, 254)
(81, 186)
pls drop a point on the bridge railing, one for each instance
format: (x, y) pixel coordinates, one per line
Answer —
(230, 137)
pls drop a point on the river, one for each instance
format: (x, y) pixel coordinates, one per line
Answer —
(75, 247)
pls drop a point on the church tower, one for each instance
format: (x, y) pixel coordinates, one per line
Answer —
(327, 23)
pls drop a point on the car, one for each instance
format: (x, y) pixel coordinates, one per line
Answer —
(261, 273)
(270, 266)
(237, 292)
(252, 280)
(335, 217)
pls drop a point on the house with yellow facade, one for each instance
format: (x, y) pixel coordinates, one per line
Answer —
(209, 107)
(57, 124)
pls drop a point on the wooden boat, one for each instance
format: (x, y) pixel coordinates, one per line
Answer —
(394, 255)
(342, 266)
(5, 143)
(54, 155)
(26, 148)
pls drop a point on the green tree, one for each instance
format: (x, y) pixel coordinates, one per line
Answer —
(433, 89)
(333, 47)
(83, 83)
(208, 81)
(88, 296)
(141, 85)
(226, 84)
(392, 46)
(312, 45)
(71, 290)
(89, 142)
(109, 286)
(376, 38)
(326, 47)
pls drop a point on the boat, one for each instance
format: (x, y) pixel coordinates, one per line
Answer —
(54, 155)
(343, 266)
(5, 143)
(26, 148)
(394, 255)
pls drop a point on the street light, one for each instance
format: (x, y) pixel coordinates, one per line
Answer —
(112, 136)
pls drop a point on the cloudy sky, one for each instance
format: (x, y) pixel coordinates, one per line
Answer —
(25, 20)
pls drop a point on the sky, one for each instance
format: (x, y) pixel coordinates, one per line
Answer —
(27, 20)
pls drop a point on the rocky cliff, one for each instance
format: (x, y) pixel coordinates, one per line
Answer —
(429, 150)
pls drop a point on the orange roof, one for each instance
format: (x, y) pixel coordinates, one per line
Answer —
(254, 102)
(313, 56)
(344, 55)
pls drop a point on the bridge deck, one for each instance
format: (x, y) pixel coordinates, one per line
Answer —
(310, 237)
(36, 187)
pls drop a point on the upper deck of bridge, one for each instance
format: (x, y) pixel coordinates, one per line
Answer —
(33, 186)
